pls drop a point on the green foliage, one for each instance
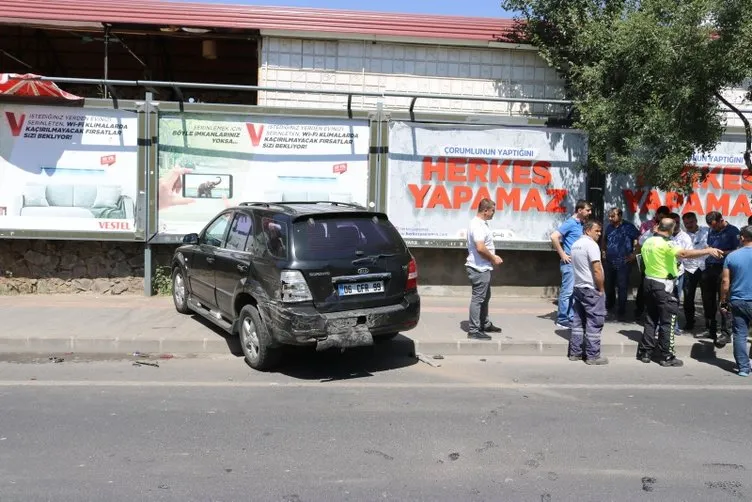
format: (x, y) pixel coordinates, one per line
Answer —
(644, 75)
(162, 280)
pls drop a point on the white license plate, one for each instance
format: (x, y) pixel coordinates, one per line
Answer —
(360, 288)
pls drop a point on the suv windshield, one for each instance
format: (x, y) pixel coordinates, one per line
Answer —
(324, 238)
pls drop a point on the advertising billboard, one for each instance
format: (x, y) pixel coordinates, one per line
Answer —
(209, 162)
(438, 174)
(66, 169)
(727, 188)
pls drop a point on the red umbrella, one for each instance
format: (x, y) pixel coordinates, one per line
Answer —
(28, 86)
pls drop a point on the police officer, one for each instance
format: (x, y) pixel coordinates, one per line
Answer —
(661, 270)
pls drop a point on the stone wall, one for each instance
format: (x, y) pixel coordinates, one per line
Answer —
(115, 268)
(48, 266)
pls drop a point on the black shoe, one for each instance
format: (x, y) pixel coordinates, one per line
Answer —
(644, 357)
(672, 362)
(689, 326)
(722, 340)
(492, 329)
(478, 336)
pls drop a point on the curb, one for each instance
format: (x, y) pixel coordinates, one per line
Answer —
(220, 346)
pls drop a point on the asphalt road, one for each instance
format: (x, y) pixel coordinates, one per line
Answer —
(359, 427)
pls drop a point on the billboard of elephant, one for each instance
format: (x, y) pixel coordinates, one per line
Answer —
(208, 162)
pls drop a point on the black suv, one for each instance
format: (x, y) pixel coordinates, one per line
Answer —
(327, 274)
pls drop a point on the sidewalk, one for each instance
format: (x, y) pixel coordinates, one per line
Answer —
(57, 324)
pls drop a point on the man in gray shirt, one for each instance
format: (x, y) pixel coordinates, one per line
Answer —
(589, 304)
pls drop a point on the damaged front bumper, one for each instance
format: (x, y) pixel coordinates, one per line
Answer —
(304, 325)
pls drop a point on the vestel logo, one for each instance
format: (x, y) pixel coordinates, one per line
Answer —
(16, 124)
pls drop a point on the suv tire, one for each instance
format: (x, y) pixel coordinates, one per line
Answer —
(179, 291)
(256, 341)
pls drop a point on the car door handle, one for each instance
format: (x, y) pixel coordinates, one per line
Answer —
(210, 259)
(243, 268)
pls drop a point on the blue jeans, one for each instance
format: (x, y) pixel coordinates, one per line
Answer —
(617, 284)
(742, 318)
(565, 315)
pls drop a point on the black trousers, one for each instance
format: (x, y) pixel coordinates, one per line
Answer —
(711, 291)
(662, 309)
(691, 283)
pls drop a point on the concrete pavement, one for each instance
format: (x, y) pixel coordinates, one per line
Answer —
(124, 324)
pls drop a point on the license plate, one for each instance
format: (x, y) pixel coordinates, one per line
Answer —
(360, 288)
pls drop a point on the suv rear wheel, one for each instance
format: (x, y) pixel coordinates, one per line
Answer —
(255, 341)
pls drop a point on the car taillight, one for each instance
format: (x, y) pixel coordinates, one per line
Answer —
(412, 276)
(294, 287)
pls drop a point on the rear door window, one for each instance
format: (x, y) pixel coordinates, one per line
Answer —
(241, 228)
(275, 237)
(331, 238)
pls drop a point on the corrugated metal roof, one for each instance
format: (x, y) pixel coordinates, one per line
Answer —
(166, 13)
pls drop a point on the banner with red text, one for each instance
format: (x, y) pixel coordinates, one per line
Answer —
(726, 188)
(208, 162)
(66, 169)
(438, 174)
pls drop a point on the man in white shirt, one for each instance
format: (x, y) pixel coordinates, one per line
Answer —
(682, 240)
(589, 297)
(693, 267)
(481, 260)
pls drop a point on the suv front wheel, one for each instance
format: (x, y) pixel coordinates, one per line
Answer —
(179, 291)
(256, 341)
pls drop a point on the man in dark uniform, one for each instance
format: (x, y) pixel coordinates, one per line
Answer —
(661, 270)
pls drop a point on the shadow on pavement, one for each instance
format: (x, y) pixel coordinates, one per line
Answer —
(332, 365)
(704, 352)
(632, 334)
(233, 342)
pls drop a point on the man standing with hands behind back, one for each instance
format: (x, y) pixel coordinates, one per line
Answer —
(562, 240)
(481, 260)
(589, 297)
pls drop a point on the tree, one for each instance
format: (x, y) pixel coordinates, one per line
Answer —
(646, 76)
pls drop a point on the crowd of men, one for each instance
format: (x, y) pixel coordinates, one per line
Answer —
(675, 256)
(596, 266)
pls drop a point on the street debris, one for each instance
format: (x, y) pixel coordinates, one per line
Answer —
(426, 360)
(56, 359)
(145, 363)
(454, 456)
(166, 356)
(438, 356)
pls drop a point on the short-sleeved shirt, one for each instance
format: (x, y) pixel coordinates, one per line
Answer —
(699, 241)
(726, 239)
(620, 240)
(682, 240)
(659, 258)
(479, 231)
(585, 251)
(570, 231)
(739, 263)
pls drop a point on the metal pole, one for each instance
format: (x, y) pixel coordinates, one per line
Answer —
(379, 155)
(106, 56)
(148, 265)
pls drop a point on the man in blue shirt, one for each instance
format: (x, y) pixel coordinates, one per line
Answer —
(736, 286)
(724, 236)
(562, 240)
(618, 245)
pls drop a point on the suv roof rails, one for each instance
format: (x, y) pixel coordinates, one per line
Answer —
(289, 203)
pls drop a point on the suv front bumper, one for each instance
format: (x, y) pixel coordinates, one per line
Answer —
(304, 325)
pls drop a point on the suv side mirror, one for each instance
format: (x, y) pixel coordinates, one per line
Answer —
(190, 239)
